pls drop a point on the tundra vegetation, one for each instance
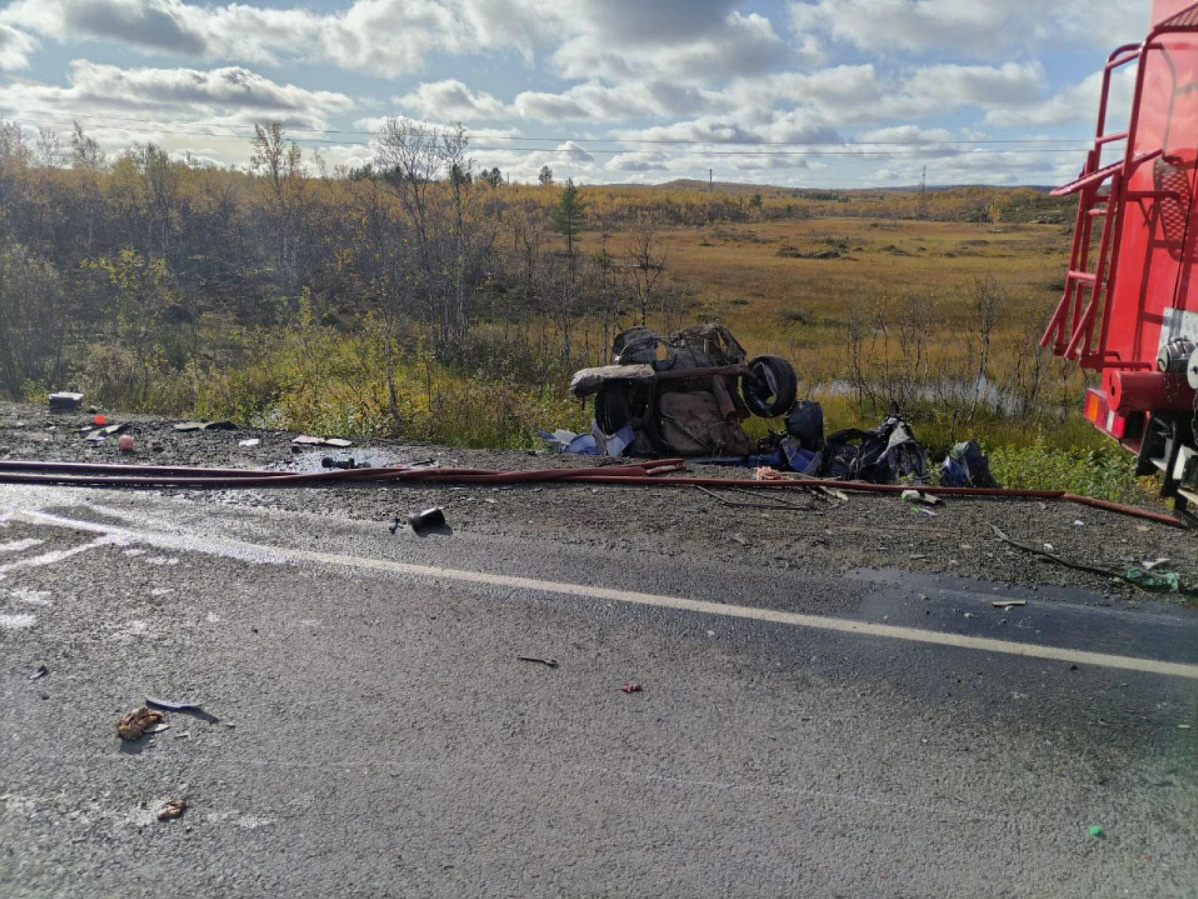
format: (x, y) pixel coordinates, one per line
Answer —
(418, 297)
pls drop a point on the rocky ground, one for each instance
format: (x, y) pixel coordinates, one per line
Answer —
(823, 535)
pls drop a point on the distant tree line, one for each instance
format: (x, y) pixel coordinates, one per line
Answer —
(118, 273)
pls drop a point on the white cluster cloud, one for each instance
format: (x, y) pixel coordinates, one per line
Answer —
(675, 79)
(143, 104)
(980, 29)
(15, 48)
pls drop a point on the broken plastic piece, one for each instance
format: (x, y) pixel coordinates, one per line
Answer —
(1096, 831)
(916, 496)
(309, 440)
(137, 723)
(1154, 579)
(426, 520)
(632, 688)
(174, 706)
(548, 663)
(173, 809)
(253, 441)
(65, 402)
(205, 426)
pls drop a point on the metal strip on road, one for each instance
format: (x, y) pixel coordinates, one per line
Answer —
(278, 554)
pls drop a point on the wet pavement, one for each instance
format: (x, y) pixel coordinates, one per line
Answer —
(378, 734)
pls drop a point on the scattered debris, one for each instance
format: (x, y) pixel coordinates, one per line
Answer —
(1136, 577)
(1096, 831)
(426, 520)
(1184, 727)
(174, 706)
(39, 672)
(923, 510)
(309, 440)
(563, 441)
(157, 446)
(344, 464)
(1077, 523)
(773, 502)
(970, 615)
(1007, 604)
(252, 441)
(99, 420)
(765, 473)
(65, 402)
(548, 663)
(886, 454)
(125, 443)
(173, 809)
(1152, 579)
(100, 433)
(137, 723)
(632, 688)
(918, 496)
(834, 492)
(966, 466)
(205, 426)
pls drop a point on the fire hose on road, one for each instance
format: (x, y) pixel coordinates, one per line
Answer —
(639, 474)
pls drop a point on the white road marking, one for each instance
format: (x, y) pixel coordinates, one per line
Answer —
(109, 538)
(17, 622)
(279, 555)
(31, 597)
(16, 546)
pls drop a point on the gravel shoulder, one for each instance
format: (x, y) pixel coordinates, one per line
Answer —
(823, 536)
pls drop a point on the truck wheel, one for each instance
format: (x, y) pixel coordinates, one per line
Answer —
(769, 386)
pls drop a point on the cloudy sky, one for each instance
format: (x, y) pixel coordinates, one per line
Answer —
(817, 93)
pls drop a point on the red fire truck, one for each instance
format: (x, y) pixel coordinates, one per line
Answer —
(1130, 307)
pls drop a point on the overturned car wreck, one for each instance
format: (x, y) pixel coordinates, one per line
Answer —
(686, 395)
(689, 394)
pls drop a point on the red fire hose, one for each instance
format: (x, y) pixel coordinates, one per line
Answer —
(639, 474)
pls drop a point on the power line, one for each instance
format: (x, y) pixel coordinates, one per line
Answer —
(898, 148)
(1084, 143)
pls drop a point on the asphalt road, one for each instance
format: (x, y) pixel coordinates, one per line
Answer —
(378, 735)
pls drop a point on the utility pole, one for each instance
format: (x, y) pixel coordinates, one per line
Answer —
(921, 205)
(710, 180)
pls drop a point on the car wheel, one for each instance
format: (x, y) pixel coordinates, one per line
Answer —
(769, 386)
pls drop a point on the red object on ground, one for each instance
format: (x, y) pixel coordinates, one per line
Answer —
(631, 688)
(635, 474)
(99, 421)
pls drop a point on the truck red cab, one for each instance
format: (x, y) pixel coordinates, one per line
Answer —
(1130, 305)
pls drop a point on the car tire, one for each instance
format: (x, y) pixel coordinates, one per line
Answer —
(769, 387)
